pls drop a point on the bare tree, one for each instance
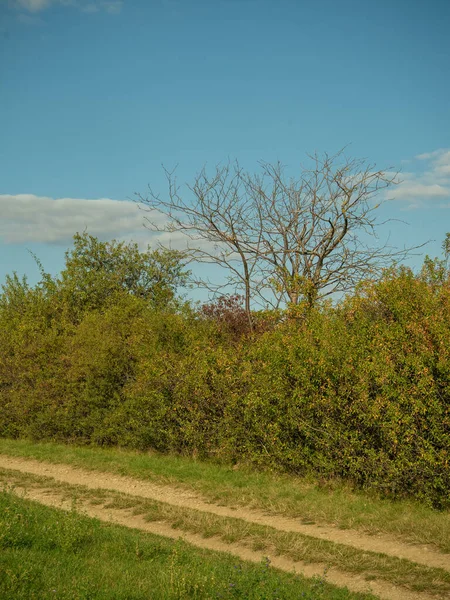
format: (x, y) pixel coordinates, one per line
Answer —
(281, 240)
(218, 221)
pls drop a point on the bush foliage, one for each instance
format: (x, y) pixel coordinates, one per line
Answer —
(358, 391)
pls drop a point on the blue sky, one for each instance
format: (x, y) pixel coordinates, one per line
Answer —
(95, 95)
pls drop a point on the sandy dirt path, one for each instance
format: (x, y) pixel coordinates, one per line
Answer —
(355, 583)
(384, 544)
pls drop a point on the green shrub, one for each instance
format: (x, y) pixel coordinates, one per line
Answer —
(360, 391)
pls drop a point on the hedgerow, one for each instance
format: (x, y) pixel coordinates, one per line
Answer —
(358, 391)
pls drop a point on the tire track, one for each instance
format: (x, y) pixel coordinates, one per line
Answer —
(420, 554)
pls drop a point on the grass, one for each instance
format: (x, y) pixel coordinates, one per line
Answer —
(257, 537)
(303, 498)
(46, 553)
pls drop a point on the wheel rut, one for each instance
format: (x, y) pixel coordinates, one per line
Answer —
(172, 495)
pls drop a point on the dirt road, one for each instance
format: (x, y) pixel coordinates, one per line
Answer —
(382, 544)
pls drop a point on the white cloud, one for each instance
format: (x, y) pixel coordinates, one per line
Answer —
(431, 180)
(415, 189)
(442, 163)
(429, 155)
(30, 218)
(90, 8)
(87, 6)
(443, 170)
(26, 218)
(32, 5)
(30, 19)
(113, 7)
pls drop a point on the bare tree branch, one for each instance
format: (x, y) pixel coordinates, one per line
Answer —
(281, 240)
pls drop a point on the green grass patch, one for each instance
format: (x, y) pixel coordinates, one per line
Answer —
(260, 538)
(47, 553)
(312, 501)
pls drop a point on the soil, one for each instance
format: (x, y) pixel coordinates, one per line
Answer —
(387, 545)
